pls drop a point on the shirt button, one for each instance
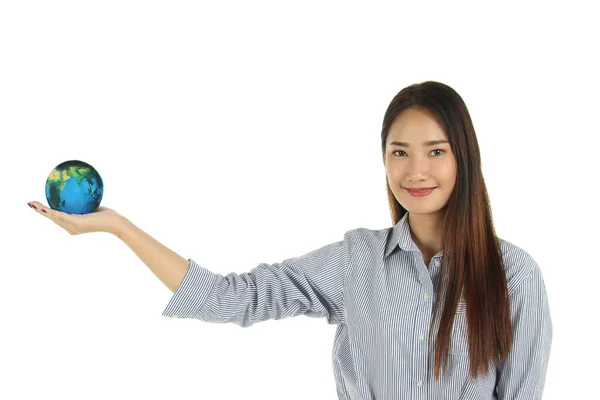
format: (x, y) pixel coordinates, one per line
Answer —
(419, 383)
(437, 263)
(175, 316)
(426, 296)
(421, 337)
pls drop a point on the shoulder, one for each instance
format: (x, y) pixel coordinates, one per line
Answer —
(519, 265)
(368, 236)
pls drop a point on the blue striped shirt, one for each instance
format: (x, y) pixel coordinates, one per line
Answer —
(374, 285)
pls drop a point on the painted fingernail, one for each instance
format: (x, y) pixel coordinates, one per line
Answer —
(44, 211)
(34, 206)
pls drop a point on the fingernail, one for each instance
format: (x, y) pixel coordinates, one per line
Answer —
(44, 211)
(34, 206)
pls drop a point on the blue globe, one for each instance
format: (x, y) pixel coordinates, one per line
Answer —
(74, 187)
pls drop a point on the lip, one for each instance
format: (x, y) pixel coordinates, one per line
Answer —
(421, 192)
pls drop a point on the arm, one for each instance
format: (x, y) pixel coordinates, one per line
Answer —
(167, 265)
(524, 373)
(310, 285)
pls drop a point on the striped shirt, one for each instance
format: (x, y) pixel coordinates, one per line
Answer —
(374, 285)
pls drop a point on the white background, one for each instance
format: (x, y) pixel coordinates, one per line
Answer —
(249, 132)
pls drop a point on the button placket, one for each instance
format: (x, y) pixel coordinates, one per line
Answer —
(421, 336)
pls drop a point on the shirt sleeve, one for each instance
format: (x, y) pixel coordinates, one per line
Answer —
(310, 285)
(524, 373)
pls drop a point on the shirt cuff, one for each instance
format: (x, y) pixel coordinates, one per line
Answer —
(192, 292)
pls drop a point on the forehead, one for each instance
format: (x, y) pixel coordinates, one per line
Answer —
(415, 126)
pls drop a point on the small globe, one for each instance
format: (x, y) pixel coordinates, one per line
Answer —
(74, 187)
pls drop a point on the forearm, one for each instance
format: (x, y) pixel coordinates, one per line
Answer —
(167, 265)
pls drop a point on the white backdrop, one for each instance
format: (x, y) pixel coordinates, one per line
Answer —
(229, 133)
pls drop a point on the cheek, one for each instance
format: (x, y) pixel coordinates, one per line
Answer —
(391, 171)
(449, 173)
(394, 177)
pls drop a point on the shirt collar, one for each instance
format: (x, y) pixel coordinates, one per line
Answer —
(400, 236)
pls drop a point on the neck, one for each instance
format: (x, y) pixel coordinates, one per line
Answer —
(426, 231)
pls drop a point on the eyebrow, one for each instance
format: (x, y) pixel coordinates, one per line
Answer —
(428, 143)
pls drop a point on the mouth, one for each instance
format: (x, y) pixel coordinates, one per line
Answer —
(419, 191)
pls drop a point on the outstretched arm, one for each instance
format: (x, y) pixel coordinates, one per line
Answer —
(167, 265)
(310, 285)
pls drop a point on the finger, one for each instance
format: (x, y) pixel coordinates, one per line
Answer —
(46, 211)
(37, 206)
(58, 217)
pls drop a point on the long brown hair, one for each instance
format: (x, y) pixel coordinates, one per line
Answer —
(472, 261)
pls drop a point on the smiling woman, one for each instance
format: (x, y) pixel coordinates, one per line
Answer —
(419, 157)
(428, 142)
(439, 279)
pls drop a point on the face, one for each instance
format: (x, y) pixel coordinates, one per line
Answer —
(415, 164)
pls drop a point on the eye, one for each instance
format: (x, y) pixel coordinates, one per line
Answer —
(431, 151)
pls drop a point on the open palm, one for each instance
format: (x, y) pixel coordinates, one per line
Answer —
(103, 219)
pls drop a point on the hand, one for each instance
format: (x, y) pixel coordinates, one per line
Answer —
(103, 219)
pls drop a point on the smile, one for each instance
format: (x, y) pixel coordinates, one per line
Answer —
(419, 193)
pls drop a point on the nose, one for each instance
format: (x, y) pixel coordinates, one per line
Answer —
(418, 168)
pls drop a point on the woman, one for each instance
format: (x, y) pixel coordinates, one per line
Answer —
(437, 289)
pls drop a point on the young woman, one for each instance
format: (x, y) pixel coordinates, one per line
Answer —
(434, 307)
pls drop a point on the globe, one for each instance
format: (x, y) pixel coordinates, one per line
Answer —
(74, 187)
